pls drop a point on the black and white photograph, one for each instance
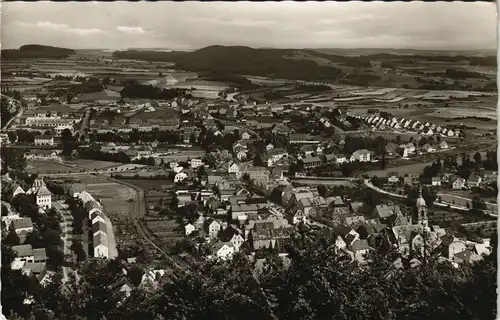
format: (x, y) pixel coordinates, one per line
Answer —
(249, 160)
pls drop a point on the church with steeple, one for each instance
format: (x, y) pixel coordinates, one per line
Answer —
(411, 237)
(421, 207)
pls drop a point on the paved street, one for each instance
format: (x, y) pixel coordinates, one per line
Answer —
(66, 227)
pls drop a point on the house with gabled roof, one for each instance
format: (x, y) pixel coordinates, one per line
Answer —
(22, 226)
(222, 250)
(99, 227)
(100, 245)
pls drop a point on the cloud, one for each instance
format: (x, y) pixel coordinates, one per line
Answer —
(60, 27)
(131, 30)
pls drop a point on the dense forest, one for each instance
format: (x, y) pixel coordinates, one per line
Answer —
(37, 51)
(314, 282)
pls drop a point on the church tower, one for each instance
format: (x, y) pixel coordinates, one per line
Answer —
(421, 207)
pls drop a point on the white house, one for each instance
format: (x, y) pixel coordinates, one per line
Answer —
(233, 168)
(16, 189)
(92, 206)
(242, 155)
(100, 244)
(43, 195)
(99, 227)
(237, 240)
(362, 155)
(44, 141)
(189, 228)
(213, 228)
(195, 163)
(24, 253)
(23, 225)
(181, 176)
(340, 243)
(97, 216)
(436, 181)
(458, 184)
(223, 250)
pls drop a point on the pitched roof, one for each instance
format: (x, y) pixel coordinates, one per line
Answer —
(99, 226)
(337, 201)
(311, 160)
(43, 191)
(385, 211)
(218, 245)
(310, 202)
(40, 254)
(92, 204)
(22, 223)
(228, 233)
(23, 250)
(360, 244)
(34, 267)
(99, 239)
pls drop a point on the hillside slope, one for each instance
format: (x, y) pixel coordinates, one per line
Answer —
(37, 51)
(240, 60)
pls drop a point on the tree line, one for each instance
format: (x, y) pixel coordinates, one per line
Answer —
(315, 281)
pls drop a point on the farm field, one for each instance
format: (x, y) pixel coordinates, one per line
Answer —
(95, 164)
(459, 195)
(415, 169)
(149, 185)
(90, 179)
(167, 231)
(116, 196)
(156, 191)
(183, 156)
(49, 167)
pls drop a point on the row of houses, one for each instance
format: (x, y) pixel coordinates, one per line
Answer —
(407, 124)
(103, 240)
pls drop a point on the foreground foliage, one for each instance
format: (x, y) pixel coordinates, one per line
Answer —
(314, 283)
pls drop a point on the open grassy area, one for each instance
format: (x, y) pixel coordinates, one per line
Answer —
(149, 185)
(95, 164)
(49, 167)
(414, 169)
(115, 198)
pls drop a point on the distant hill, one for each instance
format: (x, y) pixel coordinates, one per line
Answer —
(239, 60)
(282, 63)
(37, 51)
(414, 52)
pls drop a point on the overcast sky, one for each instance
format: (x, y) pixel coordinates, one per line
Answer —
(192, 25)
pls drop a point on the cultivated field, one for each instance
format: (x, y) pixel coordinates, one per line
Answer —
(156, 191)
(115, 198)
(95, 164)
(49, 167)
(149, 185)
(414, 169)
(167, 232)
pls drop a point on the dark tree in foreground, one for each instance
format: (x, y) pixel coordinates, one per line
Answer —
(315, 281)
